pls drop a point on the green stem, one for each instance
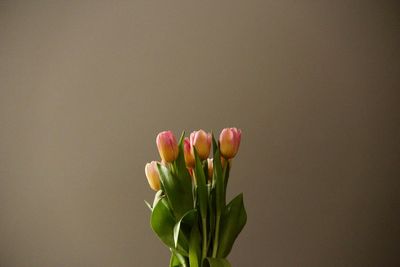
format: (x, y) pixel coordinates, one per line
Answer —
(204, 251)
(216, 237)
(182, 260)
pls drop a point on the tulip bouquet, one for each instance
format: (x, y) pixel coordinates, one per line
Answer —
(189, 212)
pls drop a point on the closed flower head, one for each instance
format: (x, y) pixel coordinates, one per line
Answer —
(201, 140)
(153, 177)
(189, 159)
(229, 141)
(167, 146)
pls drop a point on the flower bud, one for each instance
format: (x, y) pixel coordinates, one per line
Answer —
(201, 140)
(229, 141)
(210, 169)
(189, 158)
(167, 146)
(153, 177)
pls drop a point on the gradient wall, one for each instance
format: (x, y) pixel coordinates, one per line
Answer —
(85, 86)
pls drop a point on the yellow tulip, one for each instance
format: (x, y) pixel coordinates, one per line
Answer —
(153, 177)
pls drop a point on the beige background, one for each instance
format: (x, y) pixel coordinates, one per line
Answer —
(86, 86)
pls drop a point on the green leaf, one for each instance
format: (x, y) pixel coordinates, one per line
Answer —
(226, 171)
(174, 261)
(218, 179)
(214, 144)
(148, 205)
(232, 222)
(177, 260)
(182, 171)
(194, 247)
(218, 184)
(188, 219)
(211, 207)
(157, 197)
(225, 176)
(202, 190)
(162, 222)
(216, 262)
(178, 194)
(205, 170)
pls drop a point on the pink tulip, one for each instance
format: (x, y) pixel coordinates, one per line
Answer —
(153, 177)
(229, 141)
(201, 140)
(189, 159)
(167, 146)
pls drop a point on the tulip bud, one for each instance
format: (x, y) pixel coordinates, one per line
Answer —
(153, 177)
(189, 158)
(167, 146)
(210, 169)
(229, 141)
(201, 140)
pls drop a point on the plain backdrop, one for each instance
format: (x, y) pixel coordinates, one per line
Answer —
(85, 86)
